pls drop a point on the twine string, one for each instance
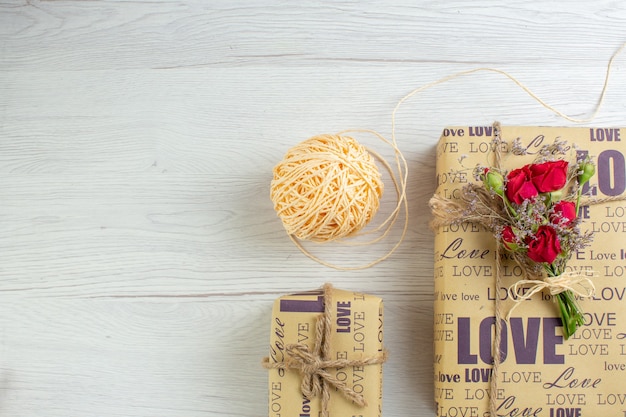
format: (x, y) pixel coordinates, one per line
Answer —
(498, 311)
(578, 282)
(493, 398)
(314, 364)
(521, 85)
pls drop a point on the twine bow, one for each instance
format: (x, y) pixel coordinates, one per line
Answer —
(313, 364)
(577, 282)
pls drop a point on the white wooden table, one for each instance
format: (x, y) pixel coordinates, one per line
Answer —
(139, 250)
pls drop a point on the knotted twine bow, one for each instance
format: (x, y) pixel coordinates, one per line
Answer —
(314, 364)
(577, 282)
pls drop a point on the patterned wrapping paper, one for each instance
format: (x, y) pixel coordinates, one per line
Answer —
(541, 374)
(356, 332)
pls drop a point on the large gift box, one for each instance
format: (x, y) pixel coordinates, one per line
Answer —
(540, 373)
(326, 354)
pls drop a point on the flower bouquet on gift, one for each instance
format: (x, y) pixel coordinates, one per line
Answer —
(533, 211)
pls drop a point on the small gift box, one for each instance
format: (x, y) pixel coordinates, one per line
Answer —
(484, 299)
(326, 354)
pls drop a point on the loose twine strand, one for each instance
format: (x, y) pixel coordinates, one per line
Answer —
(314, 364)
(522, 86)
(497, 342)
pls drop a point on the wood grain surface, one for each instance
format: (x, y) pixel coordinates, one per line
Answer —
(139, 251)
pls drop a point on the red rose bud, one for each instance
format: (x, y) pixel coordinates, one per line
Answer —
(588, 169)
(494, 181)
(564, 212)
(544, 246)
(509, 239)
(519, 186)
(549, 176)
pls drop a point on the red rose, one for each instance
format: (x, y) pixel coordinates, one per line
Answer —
(549, 176)
(519, 186)
(544, 246)
(564, 212)
(509, 239)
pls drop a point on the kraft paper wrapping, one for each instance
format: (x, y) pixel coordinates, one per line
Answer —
(542, 374)
(356, 333)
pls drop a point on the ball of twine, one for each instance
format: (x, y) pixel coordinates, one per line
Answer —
(326, 188)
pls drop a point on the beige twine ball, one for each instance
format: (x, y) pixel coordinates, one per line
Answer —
(326, 188)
